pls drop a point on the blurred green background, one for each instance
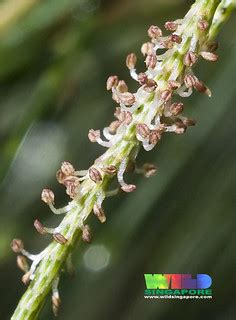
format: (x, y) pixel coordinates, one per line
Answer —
(55, 57)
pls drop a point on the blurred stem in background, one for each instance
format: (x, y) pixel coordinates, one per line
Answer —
(48, 269)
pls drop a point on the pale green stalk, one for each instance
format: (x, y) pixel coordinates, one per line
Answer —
(126, 147)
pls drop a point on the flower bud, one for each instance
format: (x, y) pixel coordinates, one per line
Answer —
(142, 78)
(128, 188)
(127, 98)
(150, 86)
(151, 61)
(93, 135)
(126, 117)
(114, 125)
(47, 196)
(210, 56)
(122, 86)
(131, 61)
(143, 130)
(17, 245)
(190, 80)
(173, 84)
(147, 48)
(190, 59)
(166, 95)
(67, 168)
(112, 82)
(22, 263)
(154, 32)
(167, 44)
(26, 278)
(189, 122)
(154, 136)
(56, 303)
(175, 38)
(60, 176)
(171, 26)
(115, 97)
(203, 25)
(201, 87)
(99, 212)
(58, 237)
(176, 108)
(180, 130)
(109, 169)
(72, 183)
(39, 227)
(149, 170)
(212, 46)
(86, 234)
(95, 175)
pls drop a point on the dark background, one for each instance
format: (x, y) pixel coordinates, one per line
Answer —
(55, 57)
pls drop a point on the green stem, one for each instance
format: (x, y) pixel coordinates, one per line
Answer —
(56, 254)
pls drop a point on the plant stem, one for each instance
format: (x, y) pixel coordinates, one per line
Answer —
(126, 147)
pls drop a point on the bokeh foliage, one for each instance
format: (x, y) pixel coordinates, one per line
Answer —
(55, 57)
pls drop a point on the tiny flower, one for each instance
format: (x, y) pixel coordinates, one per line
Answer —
(150, 86)
(125, 116)
(72, 183)
(203, 24)
(95, 175)
(147, 48)
(151, 61)
(110, 169)
(58, 237)
(176, 108)
(131, 61)
(128, 188)
(154, 32)
(190, 80)
(112, 82)
(39, 227)
(168, 44)
(190, 59)
(115, 97)
(99, 212)
(17, 245)
(117, 112)
(60, 176)
(122, 86)
(189, 122)
(176, 38)
(212, 46)
(127, 98)
(173, 84)
(26, 278)
(56, 303)
(166, 95)
(143, 130)
(86, 234)
(210, 56)
(149, 170)
(142, 78)
(201, 87)
(22, 263)
(171, 25)
(93, 135)
(114, 125)
(47, 196)
(67, 168)
(154, 136)
(180, 130)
